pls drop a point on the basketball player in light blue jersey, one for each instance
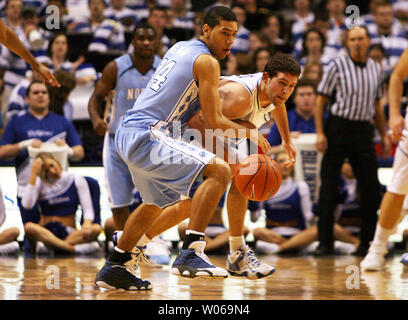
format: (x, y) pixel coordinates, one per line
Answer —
(164, 169)
(251, 98)
(127, 75)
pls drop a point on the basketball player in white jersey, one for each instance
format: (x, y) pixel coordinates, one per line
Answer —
(9, 39)
(392, 202)
(252, 98)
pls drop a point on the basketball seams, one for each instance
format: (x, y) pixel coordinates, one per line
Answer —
(253, 176)
(266, 176)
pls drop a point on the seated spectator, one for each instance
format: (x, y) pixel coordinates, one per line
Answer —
(301, 119)
(57, 58)
(8, 237)
(335, 33)
(120, 13)
(58, 194)
(107, 34)
(58, 96)
(313, 48)
(260, 59)
(289, 217)
(31, 129)
(257, 40)
(241, 42)
(313, 70)
(387, 32)
(302, 18)
(158, 18)
(216, 234)
(272, 29)
(181, 17)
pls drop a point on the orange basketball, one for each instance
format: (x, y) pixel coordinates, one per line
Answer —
(258, 177)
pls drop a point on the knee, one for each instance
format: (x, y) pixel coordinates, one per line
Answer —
(219, 170)
(14, 232)
(258, 232)
(30, 229)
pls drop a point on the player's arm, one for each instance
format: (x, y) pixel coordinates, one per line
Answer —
(102, 89)
(9, 39)
(281, 118)
(395, 89)
(207, 73)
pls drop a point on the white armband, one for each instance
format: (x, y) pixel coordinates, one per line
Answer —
(22, 145)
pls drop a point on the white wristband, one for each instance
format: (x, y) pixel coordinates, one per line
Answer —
(22, 145)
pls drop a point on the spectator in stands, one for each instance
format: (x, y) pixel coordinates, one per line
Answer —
(13, 67)
(301, 119)
(58, 59)
(302, 18)
(313, 70)
(387, 32)
(260, 59)
(8, 237)
(119, 12)
(64, 18)
(241, 42)
(181, 17)
(272, 29)
(107, 34)
(58, 194)
(257, 40)
(289, 217)
(157, 19)
(377, 53)
(313, 48)
(36, 37)
(337, 20)
(32, 128)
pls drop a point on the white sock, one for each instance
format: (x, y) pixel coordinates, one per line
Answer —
(143, 241)
(381, 236)
(236, 243)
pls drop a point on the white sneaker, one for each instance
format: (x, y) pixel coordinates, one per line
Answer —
(9, 248)
(244, 263)
(264, 247)
(157, 251)
(41, 248)
(87, 248)
(374, 260)
(344, 247)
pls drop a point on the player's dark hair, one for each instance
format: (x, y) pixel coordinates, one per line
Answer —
(143, 25)
(282, 62)
(215, 14)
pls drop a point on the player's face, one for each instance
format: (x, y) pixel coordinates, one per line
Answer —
(52, 169)
(38, 97)
(221, 37)
(144, 43)
(280, 87)
(281, 159)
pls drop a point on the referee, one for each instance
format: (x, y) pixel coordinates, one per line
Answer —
(352, 86)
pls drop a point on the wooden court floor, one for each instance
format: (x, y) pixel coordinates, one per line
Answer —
(309, 278)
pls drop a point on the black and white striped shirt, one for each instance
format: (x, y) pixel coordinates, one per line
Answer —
(354, 87)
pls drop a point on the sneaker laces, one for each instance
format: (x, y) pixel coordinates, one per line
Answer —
(138, 255)
(251, 258)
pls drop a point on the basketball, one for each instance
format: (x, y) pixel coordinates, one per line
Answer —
(258, 177)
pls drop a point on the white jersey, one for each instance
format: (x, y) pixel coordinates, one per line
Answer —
(256, 114)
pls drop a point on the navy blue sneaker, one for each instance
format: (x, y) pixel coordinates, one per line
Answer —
(404, 259)
(116, 275)
(192, 262)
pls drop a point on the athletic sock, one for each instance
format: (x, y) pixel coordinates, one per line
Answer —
(381, 236)
(192, 236)
(236, 243)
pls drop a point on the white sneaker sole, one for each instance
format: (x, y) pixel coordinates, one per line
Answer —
(198, 274)
(104, 285)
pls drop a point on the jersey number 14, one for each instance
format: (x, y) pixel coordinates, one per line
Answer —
(161, 74)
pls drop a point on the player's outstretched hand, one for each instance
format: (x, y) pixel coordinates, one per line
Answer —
(45, 74)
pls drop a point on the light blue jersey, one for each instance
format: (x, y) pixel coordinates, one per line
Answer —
(164, 169)
(129, 84)
(172, 89)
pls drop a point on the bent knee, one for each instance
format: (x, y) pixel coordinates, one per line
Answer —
(219, 170)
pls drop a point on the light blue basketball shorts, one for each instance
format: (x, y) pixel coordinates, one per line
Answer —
(119, 181)
(163, 169)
